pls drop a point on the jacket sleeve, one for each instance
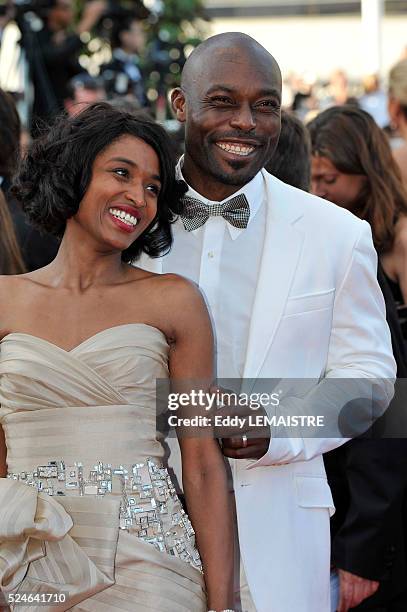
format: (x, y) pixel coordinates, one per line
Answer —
(360, 369)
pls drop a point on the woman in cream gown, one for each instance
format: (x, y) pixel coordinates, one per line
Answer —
(89, 517)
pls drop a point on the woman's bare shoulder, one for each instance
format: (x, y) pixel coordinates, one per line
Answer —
(400, 157)
(10, 283)
(16, 282)
(9, 297)
(169, 282)
(394, 261)
(400, 154)
(400, 230)
(177, 302)
(179, 287)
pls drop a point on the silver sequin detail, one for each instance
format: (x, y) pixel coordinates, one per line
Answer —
(150, 507)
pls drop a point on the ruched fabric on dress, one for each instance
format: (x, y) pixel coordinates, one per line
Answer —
(94, 403)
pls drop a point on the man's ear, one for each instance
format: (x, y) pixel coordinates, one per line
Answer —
(178, 104)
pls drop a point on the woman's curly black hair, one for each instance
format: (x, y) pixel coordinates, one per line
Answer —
(57, 170)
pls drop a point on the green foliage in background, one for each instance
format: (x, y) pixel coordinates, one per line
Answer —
(173, 27)
(179, 28)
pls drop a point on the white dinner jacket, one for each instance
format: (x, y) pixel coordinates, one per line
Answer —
(318, 314)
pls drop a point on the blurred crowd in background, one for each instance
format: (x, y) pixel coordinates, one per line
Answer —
(343, 139)
(56, 56)
(59, 54)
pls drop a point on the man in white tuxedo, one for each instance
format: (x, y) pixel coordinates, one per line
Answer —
(290, 281)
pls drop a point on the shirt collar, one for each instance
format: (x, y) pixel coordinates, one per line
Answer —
(254, 192)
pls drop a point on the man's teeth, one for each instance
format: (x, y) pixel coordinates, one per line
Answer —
(235, 148)
(123, 216)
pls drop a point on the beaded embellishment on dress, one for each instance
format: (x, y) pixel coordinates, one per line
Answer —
(150, 507)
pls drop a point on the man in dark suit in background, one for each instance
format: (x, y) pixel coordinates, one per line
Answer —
(122, 75)
(52, 53)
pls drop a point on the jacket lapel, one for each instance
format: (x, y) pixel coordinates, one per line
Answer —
(281, 252)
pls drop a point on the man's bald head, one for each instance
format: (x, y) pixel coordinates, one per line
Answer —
(225, 47)
(230, 101)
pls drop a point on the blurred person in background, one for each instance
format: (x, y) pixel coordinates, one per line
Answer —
(352, 166)
(398, 112)
(37, 249)
(6, 13)
(11, 261)
(374, 100)
(83, 90)
(304, 100)
(337, 91)
(339, 87)
(53, 53)
(129, 104)
(122, 75)
(175, 130)
(10, 128)
(291, 161)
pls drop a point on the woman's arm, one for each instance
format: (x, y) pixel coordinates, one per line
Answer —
(209, 501)
(3, 464)
(6, 303)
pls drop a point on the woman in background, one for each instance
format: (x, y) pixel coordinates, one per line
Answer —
(11, 261)
(352, 166)
(37, 249)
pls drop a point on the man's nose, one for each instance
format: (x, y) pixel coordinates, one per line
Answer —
(243, 118)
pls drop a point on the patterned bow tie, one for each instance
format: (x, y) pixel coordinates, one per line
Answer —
(235, 211)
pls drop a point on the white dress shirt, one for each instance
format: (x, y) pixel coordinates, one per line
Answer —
(224, 261)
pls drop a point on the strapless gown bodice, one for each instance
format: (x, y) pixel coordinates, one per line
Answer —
(95, 403)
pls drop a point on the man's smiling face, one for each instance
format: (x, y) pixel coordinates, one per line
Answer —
(231, 109)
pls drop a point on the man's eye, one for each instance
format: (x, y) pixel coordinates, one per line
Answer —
(269, 104)
(222, 100)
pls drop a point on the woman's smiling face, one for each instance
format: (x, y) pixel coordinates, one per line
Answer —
(121, 199)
